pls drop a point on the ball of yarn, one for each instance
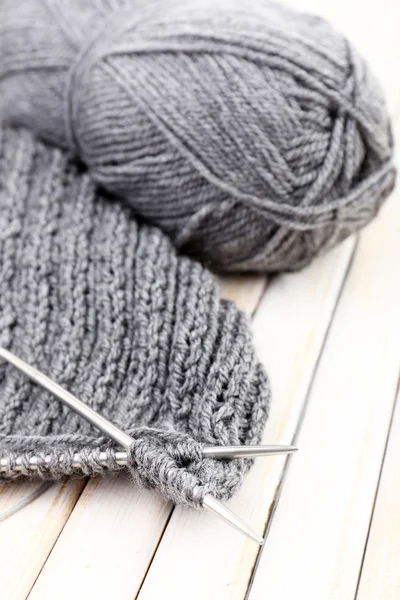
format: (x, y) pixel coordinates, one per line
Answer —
(253, 135)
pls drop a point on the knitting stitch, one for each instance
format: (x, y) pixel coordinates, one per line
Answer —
(104, 305)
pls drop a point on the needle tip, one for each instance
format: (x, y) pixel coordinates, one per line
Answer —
(229, 517)
(232, 452)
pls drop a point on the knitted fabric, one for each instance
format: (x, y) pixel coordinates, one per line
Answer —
(104, 306)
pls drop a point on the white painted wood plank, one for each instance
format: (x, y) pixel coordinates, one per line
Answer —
(380, 576)
(114, 529)
(245, 290)
(28, 536)
(112, 534)
(289, 329)
(315, 544)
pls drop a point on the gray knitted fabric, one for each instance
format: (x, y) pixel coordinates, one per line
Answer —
(105, 306)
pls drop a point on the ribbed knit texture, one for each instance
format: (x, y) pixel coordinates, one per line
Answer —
(105, 307)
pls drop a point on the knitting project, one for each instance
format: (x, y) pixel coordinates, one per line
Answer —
(104, 306)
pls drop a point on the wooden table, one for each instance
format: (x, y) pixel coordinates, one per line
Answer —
(330, 339)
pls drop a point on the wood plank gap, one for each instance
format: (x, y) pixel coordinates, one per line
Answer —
(25, 540)
(378, 487)
(155, 549)
(75, 499)
(260, 298)
(300, 422)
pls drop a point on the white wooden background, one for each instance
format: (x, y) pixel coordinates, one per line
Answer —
(330, 339)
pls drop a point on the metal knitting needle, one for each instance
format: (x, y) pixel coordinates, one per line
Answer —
(231, 452)
(117, 435)
(121, 458)
(216, 452)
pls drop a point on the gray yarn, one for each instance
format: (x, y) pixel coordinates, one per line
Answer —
(34, 495)
(105, 306)
(255, 136)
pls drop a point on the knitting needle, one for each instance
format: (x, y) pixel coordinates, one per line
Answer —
(231, 452)
(208, 502)
(121, 458)
(124, 440)
(116, 434)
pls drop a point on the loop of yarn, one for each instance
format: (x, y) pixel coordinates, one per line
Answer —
(169, 462)
(253, 135)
